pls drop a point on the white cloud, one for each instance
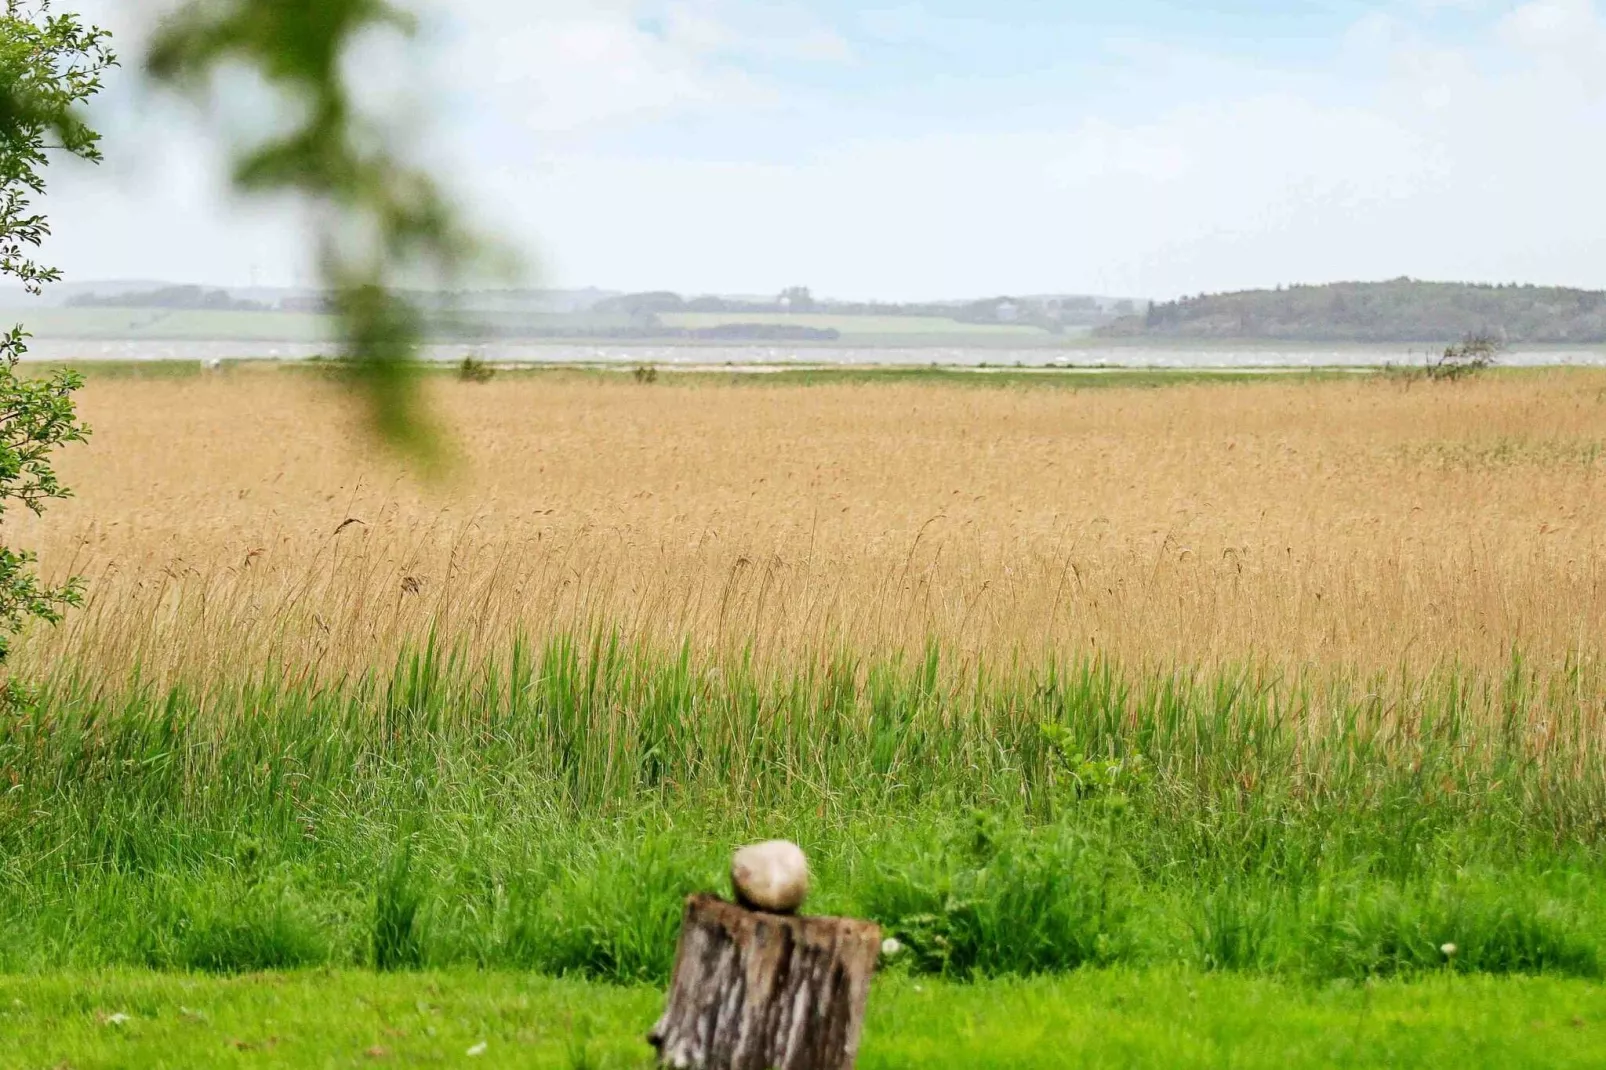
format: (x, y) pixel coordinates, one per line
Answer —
(724, 27)
(1401, 155)
(1478, 162)
(1547, 25)
(576, 73)
(1237, 192)
(1565, 39)
(581, 66)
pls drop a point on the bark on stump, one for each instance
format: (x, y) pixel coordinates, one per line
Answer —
(755, 991)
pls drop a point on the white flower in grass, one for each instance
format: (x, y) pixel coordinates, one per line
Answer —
(116, 1019)
(478, 1049)
(1448, 950)
(891, 947)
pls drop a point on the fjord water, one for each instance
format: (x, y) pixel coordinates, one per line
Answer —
(1197, 356)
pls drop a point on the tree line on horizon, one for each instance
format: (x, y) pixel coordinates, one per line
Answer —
(1401, 310)
(1051, 313)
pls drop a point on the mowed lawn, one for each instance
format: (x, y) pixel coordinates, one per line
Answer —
(1092, 1018)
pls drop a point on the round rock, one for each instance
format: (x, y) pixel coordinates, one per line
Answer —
(772, 877)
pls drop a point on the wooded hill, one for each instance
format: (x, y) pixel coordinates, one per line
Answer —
(1404, 310)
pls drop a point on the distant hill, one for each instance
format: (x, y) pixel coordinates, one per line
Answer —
(1048, 310)
(1404, 310)
(176, 298)
(136, 294)
(156, 311)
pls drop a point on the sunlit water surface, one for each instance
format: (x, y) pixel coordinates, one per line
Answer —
(760, 356)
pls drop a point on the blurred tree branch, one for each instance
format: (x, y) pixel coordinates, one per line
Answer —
(384, 220)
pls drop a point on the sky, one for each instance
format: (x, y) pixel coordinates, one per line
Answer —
(925, 150)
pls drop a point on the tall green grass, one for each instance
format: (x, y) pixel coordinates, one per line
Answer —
(549, 809)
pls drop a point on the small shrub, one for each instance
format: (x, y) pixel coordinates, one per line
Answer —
(646, 374)
(1005, 901)
(1076, 776)
(474, 370)
(1471, 355)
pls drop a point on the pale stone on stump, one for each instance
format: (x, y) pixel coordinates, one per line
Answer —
(772, 877)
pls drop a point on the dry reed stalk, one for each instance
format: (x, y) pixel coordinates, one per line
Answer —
(229, 522)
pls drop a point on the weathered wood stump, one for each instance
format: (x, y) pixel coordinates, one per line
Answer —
(755, 991)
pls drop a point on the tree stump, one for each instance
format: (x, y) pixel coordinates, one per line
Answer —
(754, 991)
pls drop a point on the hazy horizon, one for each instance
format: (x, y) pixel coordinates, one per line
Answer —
(17, 297)
(12, 296)
(1150, 149)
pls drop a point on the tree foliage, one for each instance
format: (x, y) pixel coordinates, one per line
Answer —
(50, 65)
(37, 416)
(1404, 310)
(384, 220)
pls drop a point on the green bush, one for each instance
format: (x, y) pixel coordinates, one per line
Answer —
(1001, 898)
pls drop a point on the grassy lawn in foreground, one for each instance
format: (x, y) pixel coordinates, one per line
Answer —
(1111, 1018)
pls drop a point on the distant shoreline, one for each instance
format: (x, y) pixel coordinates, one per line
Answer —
(1211, 356)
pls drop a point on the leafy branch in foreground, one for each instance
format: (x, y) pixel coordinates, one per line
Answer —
(50, 65)
(37, 416)
(383, 220)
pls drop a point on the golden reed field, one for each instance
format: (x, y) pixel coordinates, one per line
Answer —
(236, 518)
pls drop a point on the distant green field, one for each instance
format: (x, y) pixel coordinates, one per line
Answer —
(143, 1021)
(120, 324)
(106, 324)
(857, 325)
(125, 324)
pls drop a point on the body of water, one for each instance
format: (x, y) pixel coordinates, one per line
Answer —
(756, 356)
